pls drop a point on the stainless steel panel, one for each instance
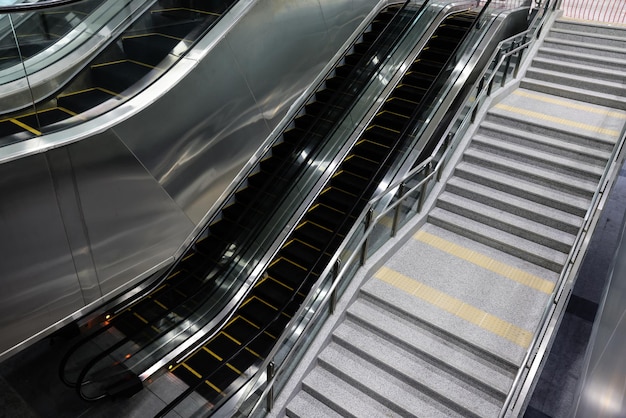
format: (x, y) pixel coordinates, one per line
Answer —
(132, 224)
(39, 285)
(224, 109)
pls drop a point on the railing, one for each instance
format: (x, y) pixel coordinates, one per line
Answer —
(608, 11)
(376, 225)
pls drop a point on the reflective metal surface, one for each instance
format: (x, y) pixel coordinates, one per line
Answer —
(39, 283)
(230, 101)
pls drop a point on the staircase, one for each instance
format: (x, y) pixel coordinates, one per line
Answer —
(442, 328)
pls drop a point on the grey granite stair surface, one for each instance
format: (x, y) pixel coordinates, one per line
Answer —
(504, 241)
(524, 188)
(612, 75)
(470, 363)
(538, 175)
(303, 405)
(528, 229)
(614, 88)
(585, 48)
(550, 128)
(589, 27)
(576, 35)
(528, 209)
(581, 58)
(556, 89)
(547, 144)
(537, 158)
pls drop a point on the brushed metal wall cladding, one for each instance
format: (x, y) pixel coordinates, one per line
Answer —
(212, 122)
(38, 279)
(131, 223)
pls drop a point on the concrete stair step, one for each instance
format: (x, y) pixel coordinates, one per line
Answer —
(555, 146)
(506, 221)
(550, 129)
(303, 405)
(523, 188)
(528, 209)
(361, 355)
(608, 88)
(576, 35)
(501, 240)
(545, 177)
(583, 70)
(581, 58)
(474, 365)
(341, 396)
(585, 48)
(537, 158)
(590, 27)
(556, 89)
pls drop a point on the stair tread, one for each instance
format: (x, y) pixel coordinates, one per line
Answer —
(575, 67)
(616, 101)
(619, 63)
(485, 193)
(450, 349)
(527, 170)
(575, 78)
(592, 35)
(511, 182)
(303, 405)
(532, 153)
(585, 45)
(558, 239)
(401, 397)
(497, 237)
(543, 139)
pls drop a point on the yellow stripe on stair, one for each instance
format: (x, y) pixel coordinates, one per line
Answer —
(488, 263)
(478, 317)
(565, 103)
(560, 121)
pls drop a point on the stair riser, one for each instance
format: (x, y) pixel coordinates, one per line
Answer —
(503, 167)
(505, 206)
(511, 229)
(536, 127)
(553, 65)
(514, 251)
(563, 56)
(543, 147)
(592, 85)
(601, 30)
(436, 362)
(315, 393)
(521, 192)
(563, 91)
(591, 40)
(584, 49)
(572, 170)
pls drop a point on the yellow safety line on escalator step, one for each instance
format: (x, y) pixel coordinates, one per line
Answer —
(488, 263)
(160, 304)
(564, 103)
(112, 93)
(555, 119)
(25, 126)
(140, 35)
(276, 261)
(233, 368)
(69, 112)
(392, 113)
(230, 337)
(212, 353)
(173, 274)
(478, 317)
(401, 98)
(212, 386)
(141, 318)
(195, 373)
(121, 61)
(260, 300)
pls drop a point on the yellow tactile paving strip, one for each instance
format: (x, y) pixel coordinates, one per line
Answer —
(570, 105)
(478, 317)
(555, 119)
(488, 263)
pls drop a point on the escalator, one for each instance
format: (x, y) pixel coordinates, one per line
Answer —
(201, 276)
(219, 366)
(139, 55)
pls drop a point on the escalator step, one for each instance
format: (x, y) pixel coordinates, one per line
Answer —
(257, 199)
(408, 92)
(274, 294)
(283, 150)
(434, 55)
(400, 106)
(313, 234)
(243, 360)
(360, 166)
(45, 118)
(117, 76)
(149, 48)
(303, 254)
(391, 121)
(370, 150)
(349, 182)
(313, 123)
(338, 199)
(81, 101)
(262, 344)
(256, 308)
(9, 128)
(297, 136)
(203, 362)
(227, 230)
(329, 95)
(380, 134)
(222, 346)
(443, 43)
(417, 80)
(287, 273)
(241, 330)
(177, 25)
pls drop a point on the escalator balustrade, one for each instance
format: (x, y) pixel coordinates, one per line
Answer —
(137, 55)
(196, 278)
(285, 283)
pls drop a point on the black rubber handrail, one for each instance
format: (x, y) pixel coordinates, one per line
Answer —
(349, 85)
(40, 5)
(401, 138)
